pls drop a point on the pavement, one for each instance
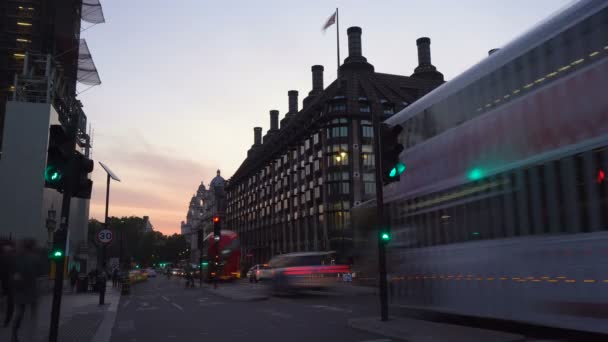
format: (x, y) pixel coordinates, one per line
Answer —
(415, 330)
(81, 318)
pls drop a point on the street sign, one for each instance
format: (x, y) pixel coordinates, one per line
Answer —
(105, 236)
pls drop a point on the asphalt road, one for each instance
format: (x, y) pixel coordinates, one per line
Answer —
(164, 310)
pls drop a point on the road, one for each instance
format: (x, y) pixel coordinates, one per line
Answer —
(163, 310)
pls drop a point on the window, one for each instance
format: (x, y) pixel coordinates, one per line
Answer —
(369, 183)
(389, 109)
(364, 108)
(337, 132)
(367, 131)
(337, 107)
(315, 138)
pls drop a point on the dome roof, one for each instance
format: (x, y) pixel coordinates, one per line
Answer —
(217, 180)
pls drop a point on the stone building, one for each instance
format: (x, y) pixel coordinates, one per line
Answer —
(295, 189)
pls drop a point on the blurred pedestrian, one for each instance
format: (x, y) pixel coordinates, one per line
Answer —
(7, 268)
(27, 268)
(115, 277)
(73, 277)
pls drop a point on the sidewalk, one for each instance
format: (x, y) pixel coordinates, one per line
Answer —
(81, 319)
(414, 330)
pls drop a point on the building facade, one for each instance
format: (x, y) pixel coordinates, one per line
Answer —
(295, 189)
(41, 60)
(205, 204)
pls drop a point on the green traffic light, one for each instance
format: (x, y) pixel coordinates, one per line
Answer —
(397, 170)
(475, 174)
(52, 174)
(57, 254)
(385, 236)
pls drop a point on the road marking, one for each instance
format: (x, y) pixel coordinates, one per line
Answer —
(145, 303)
(165, 298)
(177, 306)
(126, 303)
(276, 313)
(331, 308)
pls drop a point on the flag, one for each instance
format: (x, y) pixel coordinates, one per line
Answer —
(330, 21)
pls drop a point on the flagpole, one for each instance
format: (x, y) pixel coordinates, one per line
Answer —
(338, 44)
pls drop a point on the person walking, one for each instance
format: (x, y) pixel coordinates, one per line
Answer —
(73, 277)
(7, 268)
(27, 268)
(115, 277)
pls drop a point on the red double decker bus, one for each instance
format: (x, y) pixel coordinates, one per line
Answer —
(223, 256)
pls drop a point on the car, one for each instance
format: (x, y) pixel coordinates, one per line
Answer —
(305, 271)
(177, 272)
(151, 272)
(259, 272)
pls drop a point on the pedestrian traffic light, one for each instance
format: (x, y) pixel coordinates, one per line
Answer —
(391, 166)
(59, 242)
(217, 227)
(82, 184)
(58, 158)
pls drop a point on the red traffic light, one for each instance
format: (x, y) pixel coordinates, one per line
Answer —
(216, 219)
(601, 176)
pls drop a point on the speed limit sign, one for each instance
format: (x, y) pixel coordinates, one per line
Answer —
(105, 236)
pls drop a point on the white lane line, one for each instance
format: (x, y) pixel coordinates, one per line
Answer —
(165, 298)
(126, 303)
(276, 313)
(177, 306)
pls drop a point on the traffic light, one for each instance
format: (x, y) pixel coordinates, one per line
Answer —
(385, 235)
(391, 166)
(82, 184)
(58, 158)
(217, 227)
(59, 242)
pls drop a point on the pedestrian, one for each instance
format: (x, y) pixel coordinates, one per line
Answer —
(27, 269)
(7, 267)
(73, 277)
(115, 277)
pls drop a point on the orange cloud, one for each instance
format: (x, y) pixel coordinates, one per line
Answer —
(152, 183)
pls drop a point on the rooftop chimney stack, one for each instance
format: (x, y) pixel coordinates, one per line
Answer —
(424, 51)
(492, 51)
(293, 101)
(425, 69)
(317, 78)
(354, 41)
(274, 120)
(257, 136)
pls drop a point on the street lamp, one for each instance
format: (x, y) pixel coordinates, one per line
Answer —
(111, 175)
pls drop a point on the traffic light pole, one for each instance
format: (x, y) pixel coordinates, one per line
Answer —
(383, 290)
(60, 262)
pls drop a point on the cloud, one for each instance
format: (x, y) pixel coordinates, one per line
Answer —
(153, 183)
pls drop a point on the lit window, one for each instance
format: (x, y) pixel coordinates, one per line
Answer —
(21, 23)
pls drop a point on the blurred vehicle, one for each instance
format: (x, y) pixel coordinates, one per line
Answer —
(259, 272)
(150, 272)
(305, 271)
(137, 275)
(224, 255)
(178, 272)
(502, 212)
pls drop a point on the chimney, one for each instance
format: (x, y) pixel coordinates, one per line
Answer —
(355, 59)
(317, 78)
(354, 41)
(293, 101)
(425, 69)
(274, 120)
(492, 51)
(424, 51)
(257, 136)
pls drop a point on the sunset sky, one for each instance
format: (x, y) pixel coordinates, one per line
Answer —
(185, 81)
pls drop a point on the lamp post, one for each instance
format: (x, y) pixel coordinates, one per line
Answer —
(110, 175)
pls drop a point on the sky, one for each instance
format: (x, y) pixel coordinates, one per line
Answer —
(185, 81)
